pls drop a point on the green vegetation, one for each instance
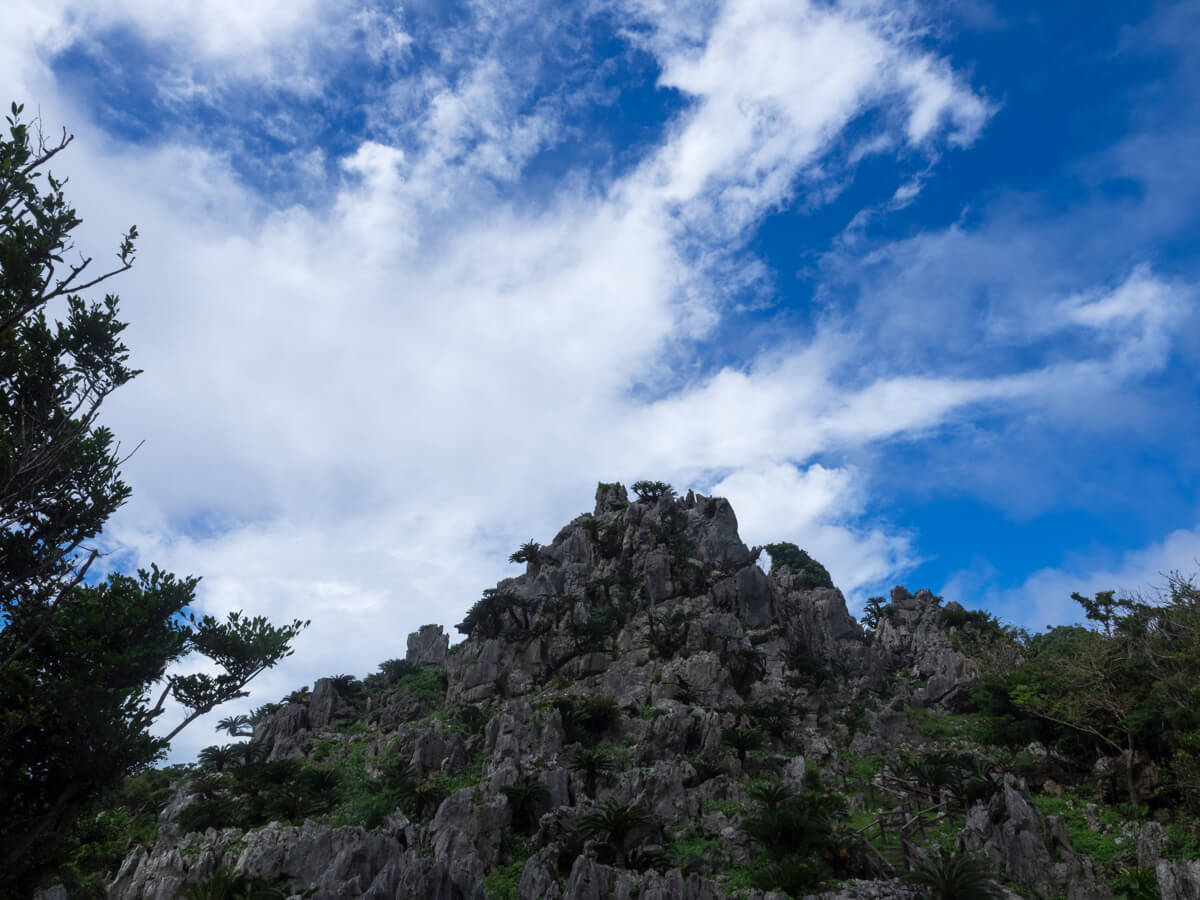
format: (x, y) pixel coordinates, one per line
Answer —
(1103, 846)
(502, 884)
(787, 557)
(955, 877)
(529, 552)
(615, 824)
(804, 837)
(652, 490)
(78, 659)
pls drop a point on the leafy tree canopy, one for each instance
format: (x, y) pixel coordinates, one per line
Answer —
(78, 660)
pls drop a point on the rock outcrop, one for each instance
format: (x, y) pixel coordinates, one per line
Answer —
(646, 628)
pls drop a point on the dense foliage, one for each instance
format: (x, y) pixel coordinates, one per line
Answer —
(77, 660)
(787, 557)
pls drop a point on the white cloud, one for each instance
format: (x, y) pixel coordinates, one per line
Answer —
(1044, 598)
(354, 411)
(813, 508)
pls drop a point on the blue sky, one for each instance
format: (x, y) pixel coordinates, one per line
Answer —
(912, 284)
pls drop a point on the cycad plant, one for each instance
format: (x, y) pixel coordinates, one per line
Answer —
(218, 758)
(614, 823)
(236, 726)
(771, 794)
(957, 876)
(742, 741)
(591, 763)
(526, 796)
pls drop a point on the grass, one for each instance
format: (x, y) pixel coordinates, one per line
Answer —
(468, 777)
(864, 767)
(729, 807)
(427, 683)
(1101, 847)
(936, 726)
(1184, 839)
(502, 884)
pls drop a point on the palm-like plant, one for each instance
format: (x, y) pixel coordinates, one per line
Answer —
(395, 669)
(236, 726)
(526, 795)
(614, 822)
(528, 553)
(771, 794)
(346, 686)
(955, 877)
(641, 860)
(247, 753)
(742, 741)
(591, 763)
(259, 714)
(746, 666)
(207, 786)
(217, 758)
(300, 696)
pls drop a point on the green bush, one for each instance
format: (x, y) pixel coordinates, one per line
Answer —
(787, 557)
(956, 876)
(652, 490)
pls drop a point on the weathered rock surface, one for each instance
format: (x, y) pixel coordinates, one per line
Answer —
(427, 646)
(1178, 880)
(656, 614)
(1010, 831)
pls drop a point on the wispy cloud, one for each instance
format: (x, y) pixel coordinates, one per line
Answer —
(356, 403)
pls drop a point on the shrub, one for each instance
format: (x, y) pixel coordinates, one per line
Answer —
(526, 796)
(787, 557)
(652, 490)
(746, 666)
(873, 611)
(588, 717)
(616, 823)
(591, 763)
(395, 669)
(958, 876)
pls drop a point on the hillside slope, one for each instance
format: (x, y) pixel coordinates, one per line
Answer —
(643, 713)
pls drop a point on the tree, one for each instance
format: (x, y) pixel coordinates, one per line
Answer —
(652, 490)
(236, 726)
(77, 660)
(873, 611)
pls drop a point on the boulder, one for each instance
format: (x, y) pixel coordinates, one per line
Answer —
(428, 646)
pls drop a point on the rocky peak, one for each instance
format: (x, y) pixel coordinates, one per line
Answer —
(646, 632)
(656, 578)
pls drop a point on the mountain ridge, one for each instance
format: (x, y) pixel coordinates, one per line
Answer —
(643, 666)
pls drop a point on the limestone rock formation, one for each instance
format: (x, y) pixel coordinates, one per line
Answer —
(643, 661)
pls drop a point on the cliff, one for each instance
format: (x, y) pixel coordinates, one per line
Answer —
(645, 712)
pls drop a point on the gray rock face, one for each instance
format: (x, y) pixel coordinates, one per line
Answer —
(282, 734)
(428, 645)
(657, 609)
(326, 705)
(913, 636)
(1009, 831)
(1178, 880)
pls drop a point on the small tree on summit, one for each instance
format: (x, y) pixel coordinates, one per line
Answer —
(652, 490)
